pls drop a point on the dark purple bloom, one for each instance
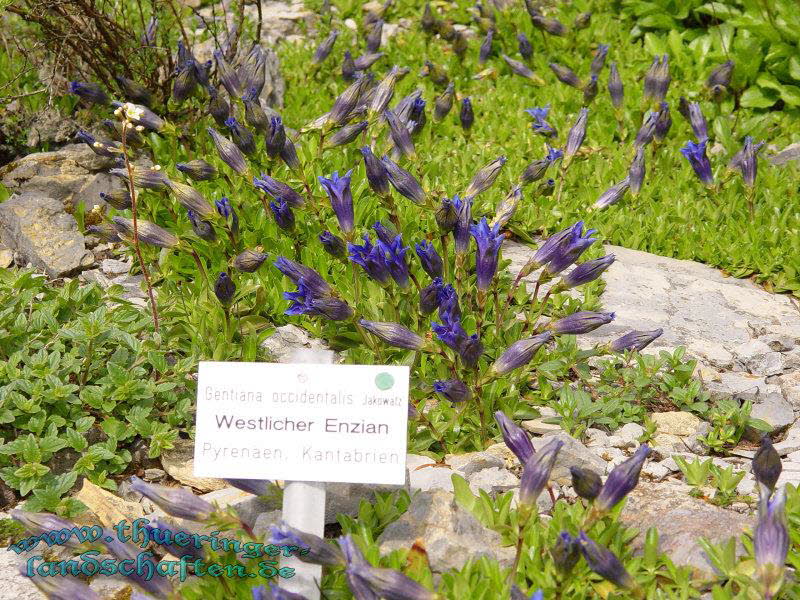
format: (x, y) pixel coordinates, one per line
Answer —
(581, 322)
(450, 333)
(446, 216)
(466, 116)
(585, 482)
(485, 177)
(306, 302)
(298, 273)
(486, 47)
(275, 137)
(429, 258)
(371, 258)
(488, 241)
(324, 49)
(229, 152)
(242, 136)
(590, 90)
(185, 80)
(333, 244)
(176, 502)
(516, 438)
(471, 350)
(454, 390)
(771, 543)
(567, 250)
(615, 87)
(647, 130)
(60, 588)
(403, 181)
(224, 289)
(613, 194)
(338, 190)
(520, 353)
(248, 262)
(636, 171)
(394, 334)
(283, 214)
(273, 593)
(524, 45)
(395, 258)
(749, 162)
(586, 272)
(312, 549)
(622, 479)
(767, 465)
(384, 233)
(278, 189)
(696, 155)
(635, 340)
(698, 122)
(536, 472)
(444, 102)
(603, 562)
(663, 123)
(576, 135)
(565, 75)
(599, 59)
(400, 134)
(203, 229)
(348, 67)
(377, 177)
(90, 92)
(566, 552)
(537, 169)
(228, 76)
(429, 296)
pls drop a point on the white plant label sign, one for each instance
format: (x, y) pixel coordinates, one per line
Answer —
(302, 422)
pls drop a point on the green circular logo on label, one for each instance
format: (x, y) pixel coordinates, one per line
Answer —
(384, 381)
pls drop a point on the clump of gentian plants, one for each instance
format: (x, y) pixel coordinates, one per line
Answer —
(333, 228)
(578, 552)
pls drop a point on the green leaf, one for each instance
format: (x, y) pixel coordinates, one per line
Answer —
(756, 97)
(790, 94)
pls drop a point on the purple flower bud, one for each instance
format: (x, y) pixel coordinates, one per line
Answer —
(771, 543)
(334, 245)
(324, 49)
(374, 37)
(696, 155)
(105, 232)
(44, 523)
(566, 75)
(663, 123)
(218, 107)
(443, 103)
(516, 438)
(274, 593)
(105, 150)
(581, 322)
(471, 351)
(197, 169)
(162, 532)
(635, 340)
(345, 103)
(275, 137)
(176, 502)
(590, 90)
(566, 552)
(657, 80)
(488, 241)
(228, 76)
(429, 258)
(338, 190)
(371, 258)
(429, 296)
(721, 75)
(400, 135)
(377, 176)
(537, 169)
(284, 217)
(466, 116)
(230, 154)
(89, 92)
(576, 135)
(254, 115)
(613, 194)
(384, 92)
(147, 232)
(202, 229)
(599, 59)
(567, 250)
(524, 46)
(395, 258)
(615, 87)
(224, 290)
(749, 161)
(394, 334)
(540, 124)
(486, 47)
(306, 302)
(278, 189)
(698, 122)
(133, 91)
(647, 131)
(585, 482)
(185, 81)
(59, 588)
(622, 479)
(582, 21)
(148, 179)
(348, 67)
(485, 177)
(365, 61)
(551, 26)
(191, 199)
(258, 487)
(586, 272)
(636, 172)
(242, 136)
(461, 233)
(603, 562)
(521, 69)
(520, 353)
(767, 465)
(536, 472)
(403, 181)
(249, 261)
(453, 390)
(312, 549)
(300, 273)
(507, 207)
(289, 154)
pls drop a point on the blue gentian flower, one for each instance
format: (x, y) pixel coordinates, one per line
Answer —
(431, 261)
(488, 241)
(370, 258)
(696, 155)
(540, 124)
(338, 190)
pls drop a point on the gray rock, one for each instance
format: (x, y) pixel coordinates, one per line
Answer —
(630, 434)
(493, 481)
(596, 438)
(739, 386)
(6, 256)
(289, 338)
(179, 463)
(39, 230)
(779, 343)
(681, 521)
(425, 475)
(678, 422)
(71, 174)
(539, 427)
(572, 453)
(790, 386)
(470, 463)
(345, 498)
(112, 267)
(154, 474)
(246, 505)
(789, 154)
(13, 584)
(771, 363)
(450, 535)
(751, 350)
(791, 441)
(775, 410)
(264, 522)
(655, 470)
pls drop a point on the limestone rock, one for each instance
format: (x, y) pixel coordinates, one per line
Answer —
(680, 423)
(39, 230)
(424, 474)
(630, 433)
(790, 386)
(789, 154)
(493, 481)
(107, 507)
(265, 521)
(246, 505)
(287, 339)
(539, 427)
(450, 535)
(572, 453)
(6, 256)
(179, 464)
(774, 410)
(791, 441)
(681, 521)
(470, 463)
